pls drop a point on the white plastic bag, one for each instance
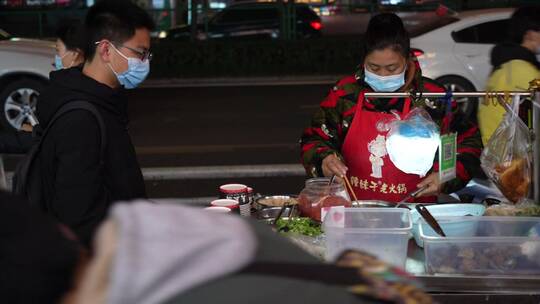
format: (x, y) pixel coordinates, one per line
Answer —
(413, 142)
(507, 159)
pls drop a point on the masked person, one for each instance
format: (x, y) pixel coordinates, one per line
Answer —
(87, 160)
(515, 64)
(70, 45)
(344, 138)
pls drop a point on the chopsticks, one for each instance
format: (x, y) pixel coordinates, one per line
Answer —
(347, 183)
(349, 187)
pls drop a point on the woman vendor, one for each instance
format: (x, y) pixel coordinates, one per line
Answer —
(345, 137)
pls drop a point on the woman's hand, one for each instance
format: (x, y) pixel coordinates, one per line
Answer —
(433, 185)
(332, 165)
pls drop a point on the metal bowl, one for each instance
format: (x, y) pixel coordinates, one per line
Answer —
(270, 221)
(259, 206)
(372, 204)
(272, 212)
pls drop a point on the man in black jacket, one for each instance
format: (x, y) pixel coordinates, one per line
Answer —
(78, 185)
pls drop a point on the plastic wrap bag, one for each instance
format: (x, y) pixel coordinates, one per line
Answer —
(412, 142)
(507, 159)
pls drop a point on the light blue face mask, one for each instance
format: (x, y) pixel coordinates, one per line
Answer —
(58, 62)
(384, 83)
(136, 72)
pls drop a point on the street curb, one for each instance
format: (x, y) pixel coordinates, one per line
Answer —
(186, 201)
(240, 81)
(211, 172)
(216, 172)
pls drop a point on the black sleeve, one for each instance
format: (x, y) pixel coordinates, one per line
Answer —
(15, 142)
(78, 180)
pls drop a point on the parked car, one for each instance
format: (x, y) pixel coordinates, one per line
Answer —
(39, 2)
(458, 53)
(25, 65)
(251, 20)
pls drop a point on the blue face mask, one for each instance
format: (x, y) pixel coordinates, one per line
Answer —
(58, 62)
(384, 83)
(136, 72)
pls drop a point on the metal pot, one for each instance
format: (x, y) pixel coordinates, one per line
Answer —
(287, 199)
(371, 204)
(272, 212)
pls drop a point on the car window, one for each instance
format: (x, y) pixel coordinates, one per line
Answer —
(305, 13)
(416, 28)
(241, 14)
(492, 32)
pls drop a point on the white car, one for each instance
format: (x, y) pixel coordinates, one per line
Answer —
(458, 53)
(24, 70)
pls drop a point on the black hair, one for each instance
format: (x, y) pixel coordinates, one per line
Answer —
(386, 30)
(524, 19)
(114, 20)
(71, 33)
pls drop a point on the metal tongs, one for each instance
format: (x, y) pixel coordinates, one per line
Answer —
(401, 204)
(432, 222)
(281, 211)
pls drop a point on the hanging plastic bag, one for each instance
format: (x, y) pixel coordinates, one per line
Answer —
(412, 142)
(507, 159)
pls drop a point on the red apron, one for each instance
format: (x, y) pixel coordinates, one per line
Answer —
(373, 176)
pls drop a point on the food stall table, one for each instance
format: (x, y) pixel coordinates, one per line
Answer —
(472, 289)
(463, 289)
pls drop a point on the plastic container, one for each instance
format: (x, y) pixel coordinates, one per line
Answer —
(383, 232)
(318, 194)
(494, 246)
(446, 210)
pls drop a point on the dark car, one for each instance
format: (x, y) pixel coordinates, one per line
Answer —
(251, 21)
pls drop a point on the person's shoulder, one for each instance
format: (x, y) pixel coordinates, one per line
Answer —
(346, 86)
(432, 86)
(513, 75)
(347, 81)
(523, 66)
(345, 89)
(80, 122)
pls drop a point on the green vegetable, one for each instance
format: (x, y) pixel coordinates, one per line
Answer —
(301, 225)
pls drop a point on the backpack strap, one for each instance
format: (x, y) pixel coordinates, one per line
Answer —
(22, 172)
(80, 105)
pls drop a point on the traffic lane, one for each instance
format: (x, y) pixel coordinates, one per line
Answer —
(221, 115)
(218, 125)
(226, 155)
(221, 125)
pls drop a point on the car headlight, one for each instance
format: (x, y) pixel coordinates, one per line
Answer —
(162, 35)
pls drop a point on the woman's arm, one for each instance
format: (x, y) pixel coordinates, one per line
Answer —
(469, 143)
(469, 148)
(326, 134)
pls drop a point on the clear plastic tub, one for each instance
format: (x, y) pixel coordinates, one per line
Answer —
(483, 246)
(383, 232)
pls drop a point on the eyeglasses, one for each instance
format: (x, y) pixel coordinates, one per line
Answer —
(143, 55)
